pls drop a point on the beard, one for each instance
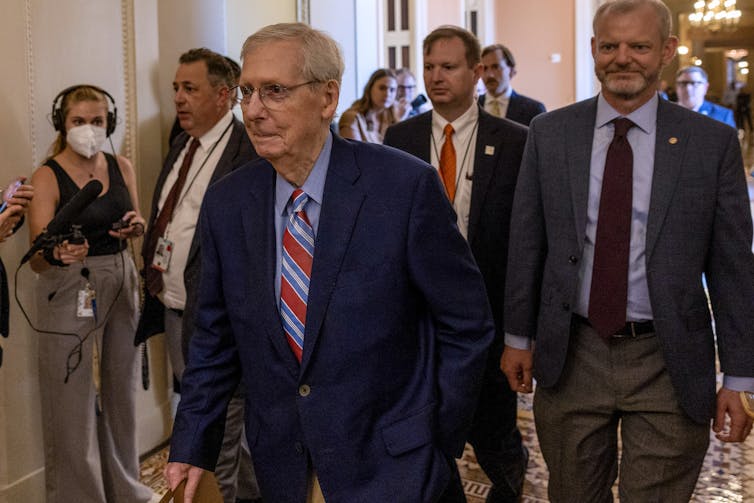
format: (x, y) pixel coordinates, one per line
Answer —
(633, 83)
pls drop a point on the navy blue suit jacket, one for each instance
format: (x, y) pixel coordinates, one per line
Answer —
(397, 328)
(717, 112)
(521, 109)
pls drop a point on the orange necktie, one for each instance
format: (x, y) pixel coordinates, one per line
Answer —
(448, 163)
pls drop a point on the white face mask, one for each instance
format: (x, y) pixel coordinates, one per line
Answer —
(86, 140)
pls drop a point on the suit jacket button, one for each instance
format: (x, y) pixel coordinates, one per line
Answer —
(299, 447)
(566, 306)
(573, 259)
(304, 390)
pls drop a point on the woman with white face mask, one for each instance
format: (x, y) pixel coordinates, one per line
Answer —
(87, 309)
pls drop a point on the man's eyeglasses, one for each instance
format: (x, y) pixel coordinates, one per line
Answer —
(403, 88)
(272, 96)
(695, 83)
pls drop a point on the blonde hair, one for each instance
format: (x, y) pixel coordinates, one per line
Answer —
(79, 94)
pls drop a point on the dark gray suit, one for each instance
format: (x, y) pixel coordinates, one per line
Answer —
(699, 222)
(521, 109)
(234, 466)
(237, 152)
(494, 434)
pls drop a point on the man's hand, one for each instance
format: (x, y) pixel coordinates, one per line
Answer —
(729, 403)
(516, 364)
(175, 473)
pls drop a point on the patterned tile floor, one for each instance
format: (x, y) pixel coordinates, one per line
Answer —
(727, 476)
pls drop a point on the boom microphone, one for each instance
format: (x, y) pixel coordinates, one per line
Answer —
(61, 223)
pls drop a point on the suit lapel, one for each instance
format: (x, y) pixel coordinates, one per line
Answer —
(670, 145)
(259, 236)
(484, 167)
(341, 203)
(579, 160)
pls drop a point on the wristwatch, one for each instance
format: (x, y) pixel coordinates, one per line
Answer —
(747, 399)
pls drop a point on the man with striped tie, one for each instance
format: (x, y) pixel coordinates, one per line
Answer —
(336, 285)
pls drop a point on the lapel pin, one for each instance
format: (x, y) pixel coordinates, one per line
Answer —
(672, 140)
(489, 150)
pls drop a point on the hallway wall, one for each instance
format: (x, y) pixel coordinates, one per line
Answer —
(536, 31)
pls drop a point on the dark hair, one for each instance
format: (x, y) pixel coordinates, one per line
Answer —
(470, 42)
(220, 70)
(507, 54)
(364, 104)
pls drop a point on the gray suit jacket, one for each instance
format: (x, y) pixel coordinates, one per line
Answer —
(238, 151)
(699, 222)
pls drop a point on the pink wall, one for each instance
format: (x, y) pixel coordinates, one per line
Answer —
(441, 12)
(533, 30)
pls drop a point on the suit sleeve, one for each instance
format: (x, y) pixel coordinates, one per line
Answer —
(443, 269)
(527, 247)
(213, 369)
(730, 267)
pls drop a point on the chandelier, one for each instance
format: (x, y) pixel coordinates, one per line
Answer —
(715, 15)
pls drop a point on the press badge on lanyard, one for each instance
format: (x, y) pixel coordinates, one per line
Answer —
(162, 254)
(87, 303)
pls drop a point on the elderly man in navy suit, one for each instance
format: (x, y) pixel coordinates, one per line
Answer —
(622, 203)
(486, 156)
(336, 286)
(498, 68)
(691, 84)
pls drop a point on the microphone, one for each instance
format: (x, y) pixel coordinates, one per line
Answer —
(418, 102)
(61, 223)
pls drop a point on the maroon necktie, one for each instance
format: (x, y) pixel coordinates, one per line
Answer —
(608, 295)
(153, 277)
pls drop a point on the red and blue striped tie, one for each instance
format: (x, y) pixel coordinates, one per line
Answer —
(296, 269)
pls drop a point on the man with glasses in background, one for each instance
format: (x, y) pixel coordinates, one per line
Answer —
(407, 103)
(691, 84)
(213, 143)
(320, 291)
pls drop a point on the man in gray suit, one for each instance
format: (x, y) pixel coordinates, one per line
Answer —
(213, 144)
(605, 305)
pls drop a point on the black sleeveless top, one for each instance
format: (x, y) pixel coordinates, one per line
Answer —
(97, 218)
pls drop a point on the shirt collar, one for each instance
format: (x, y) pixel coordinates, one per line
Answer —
(645, 117)
(505, 96)
(466, 120)
(314, 185)
(213, 135)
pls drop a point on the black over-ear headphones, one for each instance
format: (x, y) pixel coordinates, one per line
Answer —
(58, 121)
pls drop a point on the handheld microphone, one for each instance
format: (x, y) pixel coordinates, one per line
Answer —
(418, 102)
(61, 223)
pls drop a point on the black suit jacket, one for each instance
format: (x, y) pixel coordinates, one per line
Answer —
(492, 190)
(521, 109)
(238, 151)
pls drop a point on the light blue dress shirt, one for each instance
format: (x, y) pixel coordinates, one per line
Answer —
(314, 187)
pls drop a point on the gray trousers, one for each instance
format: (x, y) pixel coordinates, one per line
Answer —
(234, 470)
(90, 456)
(607, 387)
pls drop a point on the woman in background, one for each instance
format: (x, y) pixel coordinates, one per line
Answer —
(87, 303)
(371, 115)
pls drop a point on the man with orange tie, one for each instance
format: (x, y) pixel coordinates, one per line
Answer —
(478, 157)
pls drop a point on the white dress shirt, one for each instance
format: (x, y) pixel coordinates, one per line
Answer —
(181, 228)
